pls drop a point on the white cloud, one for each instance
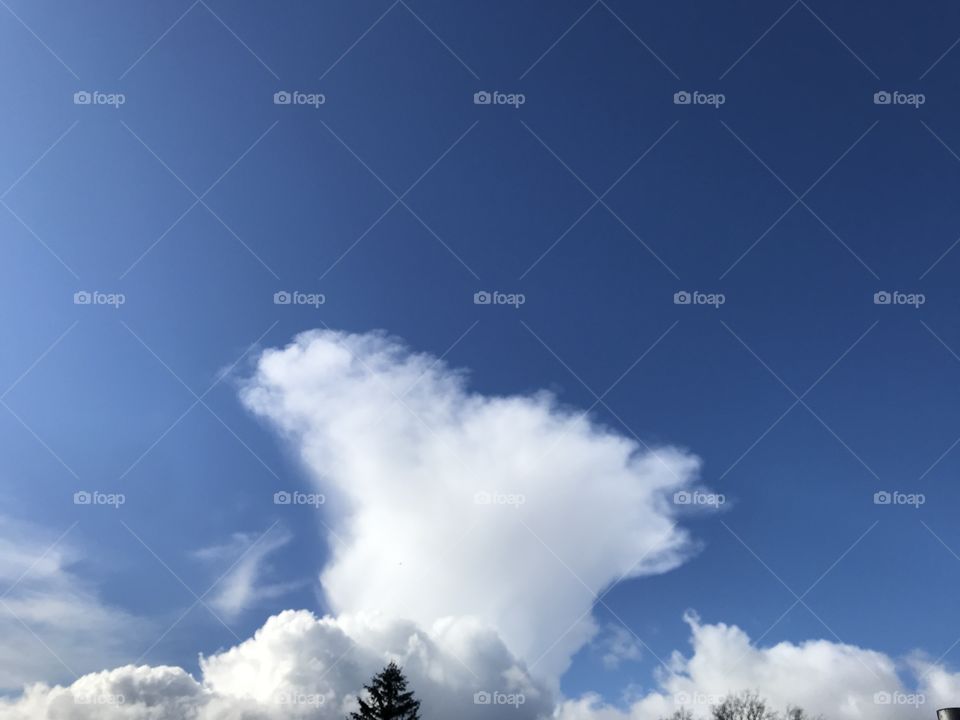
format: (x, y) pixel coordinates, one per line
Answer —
(402, 448)
(840, 681)
(52, 622)
(245, 561)
(617, 644)
(126, 693)
(467, 596)
(297, 655)
(300, 666)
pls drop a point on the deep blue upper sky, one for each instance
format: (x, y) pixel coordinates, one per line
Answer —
(303, 184)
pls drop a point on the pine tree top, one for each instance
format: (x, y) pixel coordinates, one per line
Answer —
(387, 697)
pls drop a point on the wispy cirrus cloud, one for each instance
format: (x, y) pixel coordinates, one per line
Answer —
(244, 570)
(53, 622)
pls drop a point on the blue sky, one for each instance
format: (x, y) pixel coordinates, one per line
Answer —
(598, 199)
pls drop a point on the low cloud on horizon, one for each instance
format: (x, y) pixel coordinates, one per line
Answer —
(460, 552)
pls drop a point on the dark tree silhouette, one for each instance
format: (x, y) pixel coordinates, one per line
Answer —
(387, 698)
(798, 713)
(746, 706)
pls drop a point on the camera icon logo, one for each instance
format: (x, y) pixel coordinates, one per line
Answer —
(682, 298)
(282, 298)
(482, 498)
(82, 97)
(881, 698)
(282, 97)
(82, 498)
(82, 297)
(682, 98)
(481, 697)
(882, 98)
(482, 298)
(682, 498)
(482, 98)
(882, 498)
(882, 298)
(282, 498)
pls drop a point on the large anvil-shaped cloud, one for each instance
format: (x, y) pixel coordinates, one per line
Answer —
(512, 510)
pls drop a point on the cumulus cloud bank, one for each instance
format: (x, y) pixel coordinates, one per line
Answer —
(839, 681)
(301, 666)
(470, 536)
